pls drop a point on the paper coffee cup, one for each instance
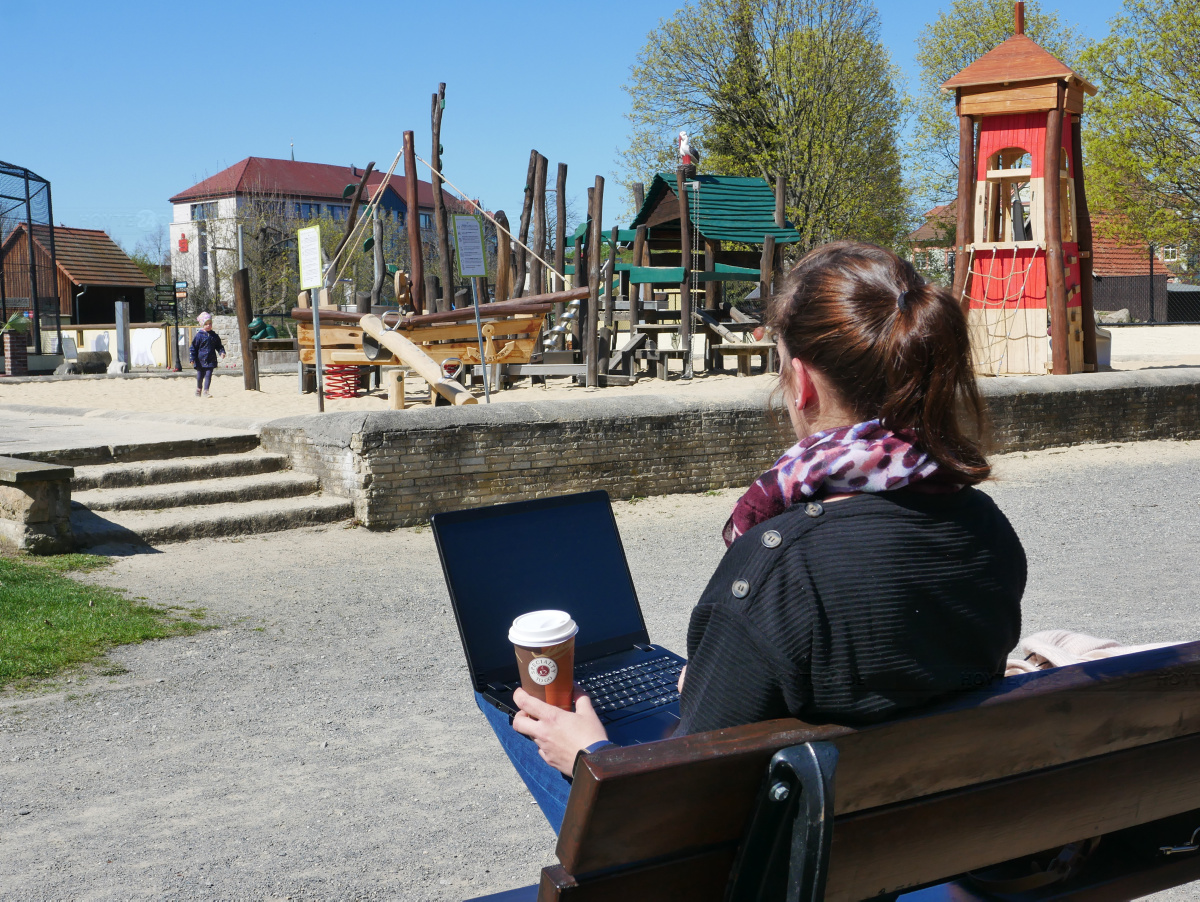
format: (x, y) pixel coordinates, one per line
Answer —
(545, 645)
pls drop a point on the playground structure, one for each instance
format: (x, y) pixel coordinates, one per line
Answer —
(1023, 262)
(565, 316)
(28, 269)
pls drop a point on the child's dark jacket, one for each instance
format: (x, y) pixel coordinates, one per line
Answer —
(205, 347)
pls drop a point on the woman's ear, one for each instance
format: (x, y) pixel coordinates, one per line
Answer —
(806, 392)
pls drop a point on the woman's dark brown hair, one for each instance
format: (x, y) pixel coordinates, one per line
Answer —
(893, 346)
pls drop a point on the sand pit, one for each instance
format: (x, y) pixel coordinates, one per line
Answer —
(280, 397)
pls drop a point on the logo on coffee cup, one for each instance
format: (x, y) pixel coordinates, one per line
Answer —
(543, 671)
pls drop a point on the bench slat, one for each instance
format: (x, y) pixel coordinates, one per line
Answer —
(918, 842)
(696, 878)
(635, 803)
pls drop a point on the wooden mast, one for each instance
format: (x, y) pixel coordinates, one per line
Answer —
(685, 287)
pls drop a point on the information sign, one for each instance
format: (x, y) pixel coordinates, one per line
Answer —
(309, 243)
(468, 235)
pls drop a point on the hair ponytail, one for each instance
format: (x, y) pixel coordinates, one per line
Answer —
(894, 348)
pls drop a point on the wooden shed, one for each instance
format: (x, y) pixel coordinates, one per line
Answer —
(92, 274)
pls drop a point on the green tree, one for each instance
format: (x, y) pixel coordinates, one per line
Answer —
(806, 91)
(955, 39)
(1145, 123)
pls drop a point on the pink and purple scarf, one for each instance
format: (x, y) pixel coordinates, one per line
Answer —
(866, 457)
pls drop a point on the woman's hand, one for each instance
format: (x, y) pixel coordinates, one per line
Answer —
(560, 735)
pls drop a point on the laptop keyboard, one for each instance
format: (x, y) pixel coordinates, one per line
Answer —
(633, 689)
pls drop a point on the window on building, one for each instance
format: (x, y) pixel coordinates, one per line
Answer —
(1169, 254)
(201, 212)
(426, 220)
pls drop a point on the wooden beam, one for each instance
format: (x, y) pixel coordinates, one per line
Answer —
(1056, 286)
(685, 287)
(780, 199)
(1084, 235)
(445, 253)
(963, 237)
(412, 219)
(713, 290)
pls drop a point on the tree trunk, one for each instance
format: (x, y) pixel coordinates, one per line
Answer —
(591, 337)
(560, 242)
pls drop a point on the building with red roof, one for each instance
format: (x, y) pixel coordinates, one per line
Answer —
(203, 232)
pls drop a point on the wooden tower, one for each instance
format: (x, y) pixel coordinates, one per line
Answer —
(1023, 268)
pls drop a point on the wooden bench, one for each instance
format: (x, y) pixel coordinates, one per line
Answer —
(724, 339)
(783, 810)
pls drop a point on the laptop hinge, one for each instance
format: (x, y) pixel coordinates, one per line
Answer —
(643, 647)
(502, 687)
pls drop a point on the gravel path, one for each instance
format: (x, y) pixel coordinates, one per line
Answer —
(322, 742)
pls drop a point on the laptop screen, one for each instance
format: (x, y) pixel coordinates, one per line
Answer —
(558, 553)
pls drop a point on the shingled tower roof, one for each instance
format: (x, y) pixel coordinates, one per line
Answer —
(1019, 59)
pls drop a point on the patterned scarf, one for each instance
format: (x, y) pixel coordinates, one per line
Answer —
(865, 457)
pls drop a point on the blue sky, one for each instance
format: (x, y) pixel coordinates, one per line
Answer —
(121, 105)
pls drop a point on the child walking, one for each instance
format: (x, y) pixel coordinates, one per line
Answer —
(205, 348)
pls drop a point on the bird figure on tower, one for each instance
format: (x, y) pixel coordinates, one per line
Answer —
(688, 156)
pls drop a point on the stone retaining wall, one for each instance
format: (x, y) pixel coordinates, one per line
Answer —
(35, 506)
(400, 467)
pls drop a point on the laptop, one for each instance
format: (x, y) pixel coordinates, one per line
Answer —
(564, 554)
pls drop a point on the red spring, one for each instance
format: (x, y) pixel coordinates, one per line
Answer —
(341, 381)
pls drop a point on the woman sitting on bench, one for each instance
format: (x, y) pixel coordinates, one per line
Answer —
(865, 575)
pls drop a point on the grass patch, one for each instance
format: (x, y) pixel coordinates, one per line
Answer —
(50, 622)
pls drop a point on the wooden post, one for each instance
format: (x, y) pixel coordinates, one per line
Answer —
(503, 259)
(1084, 236)
(536, 269)
(639, 200)
(412, 218)
(591, 338)
(1056, 287)
(560, 241)
(766, 275)
(431, 293)
(243, 308)
(635, 300)
(712, 290)
(780, 199)
(685, 287)
(523, 232)
(377, 260)
(610, 303)
(965, 225)
(394, 380)
(445, 258)
(581, 281)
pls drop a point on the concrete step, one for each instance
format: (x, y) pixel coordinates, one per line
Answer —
(257, 487)
(133, 452)
(181, 524)
(183, 469)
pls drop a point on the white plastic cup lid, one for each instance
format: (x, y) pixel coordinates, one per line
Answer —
(541, 628)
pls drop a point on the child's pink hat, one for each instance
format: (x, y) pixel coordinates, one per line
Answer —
(204, 317)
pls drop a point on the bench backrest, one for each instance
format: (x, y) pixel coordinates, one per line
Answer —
(1024, 765)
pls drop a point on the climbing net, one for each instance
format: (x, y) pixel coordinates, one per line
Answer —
(1002, 308)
